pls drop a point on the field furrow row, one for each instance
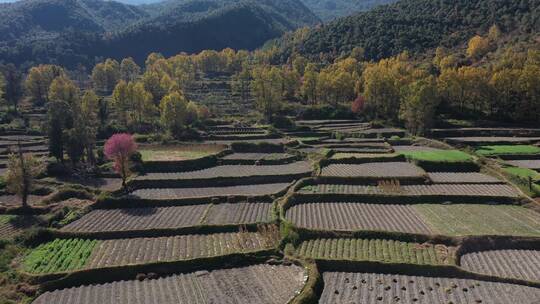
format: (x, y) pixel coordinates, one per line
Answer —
(508, 263)
(383, 170)
(357, 216)
(264, 284)
(341, 287)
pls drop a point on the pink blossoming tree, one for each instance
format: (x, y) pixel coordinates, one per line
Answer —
(119, 149)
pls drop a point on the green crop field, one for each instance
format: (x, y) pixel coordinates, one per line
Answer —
(59, 255)
(438, 156)
(474, 219)
(377, 250)
(507, 149)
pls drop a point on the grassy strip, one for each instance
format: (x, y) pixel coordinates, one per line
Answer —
(438, 156)
(493, 150)
(59, 255)
(521, 177)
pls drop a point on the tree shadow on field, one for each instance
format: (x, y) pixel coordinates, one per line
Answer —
(139, 211)
(24, 221)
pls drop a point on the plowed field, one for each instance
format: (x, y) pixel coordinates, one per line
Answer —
(301, 167)
(462, 178)
(383, 170)
(519, 264)
(341, 287)
(357, 216)
(261, 284)
(529, 164)
(180, 193)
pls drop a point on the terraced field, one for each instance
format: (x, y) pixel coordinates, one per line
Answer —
(238, 213)
(474, 219)
(342, 287)
(412, 148)
(257, 156)
(357, 216)
(477, 140)
(441, 190)
(102, 220)
(341, 155)
(508, 263)
(264, 284)
(378, 250)
(462, 178)
(296, 168)
(383, 170)
(12, 225)
(529, 164)
(65, 255)
(138, 219)
(183, 193)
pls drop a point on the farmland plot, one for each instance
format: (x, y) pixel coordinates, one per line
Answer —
(442, 190)
(65, 255)
(129, 219)
(199, 192)
(378, 250)
(529, 164)
(258, 284)
(462, 178)
(296, 168)
(383, 170)
(357, 216)
(258, 156)
(237, 213)
(12, 225)
(412, 148)
(378, 156)
(342, 287)
(474, 219)
(138, 219)
(478, 140)
(508, 263)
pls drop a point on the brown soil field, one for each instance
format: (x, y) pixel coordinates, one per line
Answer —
(301, 167)
(492, 139)
(131, 251)
(530, 163)
(462, 178)
(473, 190)
(509, 263)
(180, 193)
(138, 218)
(170, 217)
(413, 148)
(384, 170)
(236, 213)
(261, 284)
(257, 156)
(341, 287)
(357, 216)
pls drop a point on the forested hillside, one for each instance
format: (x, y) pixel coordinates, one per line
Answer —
(331, 9)
(77, 32)
(415, 25)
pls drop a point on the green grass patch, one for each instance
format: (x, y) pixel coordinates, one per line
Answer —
(451, 156)
(173, 153)
(377, 250)
(507, 149)
(59, 255)
(475, 219)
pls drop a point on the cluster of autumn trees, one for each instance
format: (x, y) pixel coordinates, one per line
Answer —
(489, 78)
